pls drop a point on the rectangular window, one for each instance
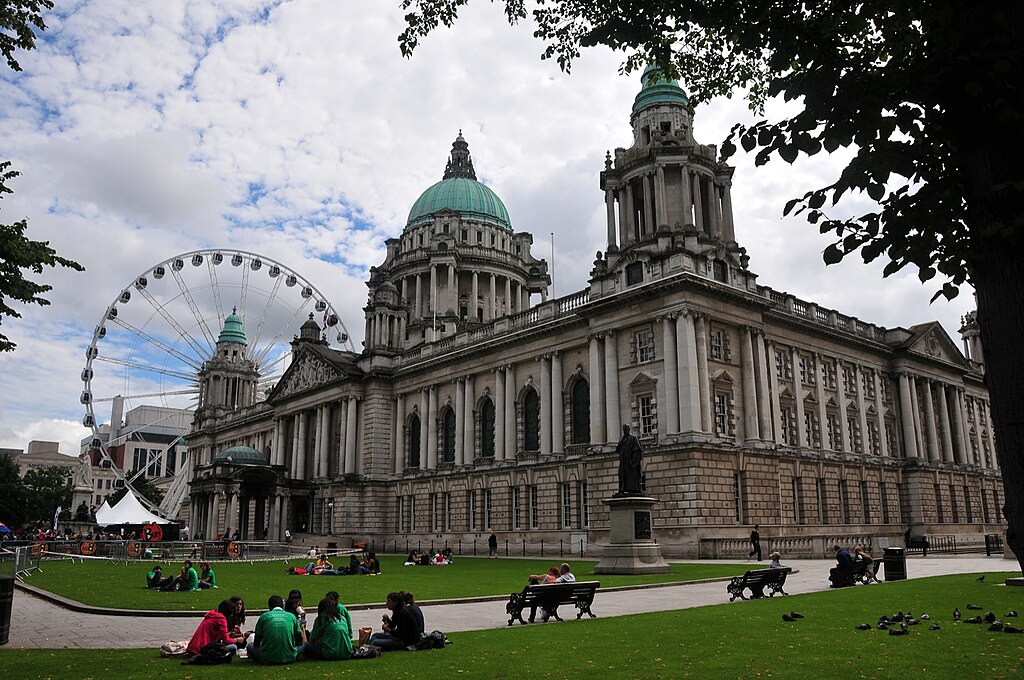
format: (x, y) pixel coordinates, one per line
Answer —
(783, 365)
(832, 428)
(822, 501)
(724, 425)
(883, 492)
(865, 503)
(399, 514)
(785, 417)
(844, 500)
(487, 509)
(584, 496)
(968, 506)
(850, 379)
(447, 512)
(940, 511)
(412, 513)
(480, 237)
(853, 428)
(807, 375)
(998, 507)
(566, 506)
(798, 510)
(471, 503)
(954, 505)
(108, 484)
(435, 516)
(984, 507)
(867, 381)
(812, 434)
(644, 346)
(534, 509)
(718, 345)
(646, 403)
(516, 509)
(828, 374)
(737, 492)
(464, 234)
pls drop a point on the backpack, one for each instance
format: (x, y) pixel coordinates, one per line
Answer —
(366, 652)
(433, 640)
(172, 649)
(211, 654)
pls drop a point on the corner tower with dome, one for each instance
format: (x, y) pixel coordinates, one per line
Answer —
(478, 404)
(457, 265)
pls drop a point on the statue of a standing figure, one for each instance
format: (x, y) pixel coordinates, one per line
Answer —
(83, 473)
(629, 463)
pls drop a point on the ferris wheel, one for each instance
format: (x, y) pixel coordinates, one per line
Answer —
(158, 332)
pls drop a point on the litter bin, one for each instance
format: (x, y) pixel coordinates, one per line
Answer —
(6, 600)
(895, 564)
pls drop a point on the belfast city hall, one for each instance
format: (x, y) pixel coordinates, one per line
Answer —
(479, 404)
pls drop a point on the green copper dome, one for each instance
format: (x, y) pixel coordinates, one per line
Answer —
(233, 331)
(241, 455)
(460, 191)
(657, 90)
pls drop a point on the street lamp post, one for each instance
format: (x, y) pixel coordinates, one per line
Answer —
(330, 517)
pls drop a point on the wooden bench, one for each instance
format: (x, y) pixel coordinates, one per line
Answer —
(549, 596)
(756, 581)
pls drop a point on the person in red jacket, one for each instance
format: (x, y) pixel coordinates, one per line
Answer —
(214, 627)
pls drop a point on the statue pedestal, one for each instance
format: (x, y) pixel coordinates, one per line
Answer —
(632, 549)
(79, 495)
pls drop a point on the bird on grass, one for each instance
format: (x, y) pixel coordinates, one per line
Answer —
(925, 617)
(996, 626)
(787, 618)
(796, 615)
(956, 613)
(981, 578)
(989, 617)
(897, 631)
(974, 619)
(882, 625)
(1010, 614)
(1011, 629)
(897, 617)
(864, 626)
(975, 607)
(934, 626)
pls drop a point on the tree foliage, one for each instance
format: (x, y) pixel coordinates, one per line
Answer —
(45, 489)
(929, 98)
(12, 493)
(19, 21)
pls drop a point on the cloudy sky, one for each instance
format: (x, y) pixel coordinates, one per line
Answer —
(297, 131)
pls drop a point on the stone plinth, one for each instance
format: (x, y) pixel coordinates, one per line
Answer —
(632, 549)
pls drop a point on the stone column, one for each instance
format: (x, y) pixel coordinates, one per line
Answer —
(276, 455)
(946, 434)
(991, 439)
(432, 428)
(845, 435)
(918, 425)
(798, 398)
(557, 412)
(489, 305)
(275, 518)
(418, 303)
(690, 399)
(545, 404)
(648, 226)
(623, 222)
(703, 378)
(713, 209)
(285, 502)
(698, 212)
(468, 448)
(350, 436)
(474, 302)
(820, 394)
(959, 427)
(630, 213)
(611, 383)
(862, 410)
(728, 228)
(400, 434)
(232, 520)
(609, 202)
(668, 339)
(659, 195)
(299, 464)
(318, 441)
(750, 432)
(510, 412)
(883, 441)
(931, 428)
(508, 295)
(907, 417)
(764, 399)
(775, 390)
(597, 407)
(687, 186)
(499, 413)
(453, 294)
(432, 293)
(424, 426)
(460, 415)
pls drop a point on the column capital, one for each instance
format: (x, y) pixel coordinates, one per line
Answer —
(668, 316)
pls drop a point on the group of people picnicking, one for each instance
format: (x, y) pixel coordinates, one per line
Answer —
(188, 579)
(429, 558)
(320, 565)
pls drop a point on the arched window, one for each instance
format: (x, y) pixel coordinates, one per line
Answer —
(449, 437)
(413, 454)
(487, 429)
(531, 421)
(580, 407)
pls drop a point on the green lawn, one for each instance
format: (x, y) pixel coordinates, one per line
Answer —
(738, 640)
(105, 584)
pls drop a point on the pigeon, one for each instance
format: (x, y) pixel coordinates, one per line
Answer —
(974, 607)
(996, 626)
(925, 617)
(796, 615)
(1010, 614)
(934, 626)
(898, 617)
(981, 578)
(883, 626)
(976, 619)
(787, 618)
(1011, 629)
(897, 631)
(956, 614)
(883, 619)
(864, 626)
(989, 617)
(910, 622)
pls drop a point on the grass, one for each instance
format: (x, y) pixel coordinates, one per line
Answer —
(739, 640)
(104, 584)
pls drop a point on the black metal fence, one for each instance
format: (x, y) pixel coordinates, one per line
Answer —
(949, 545)
(506, 548)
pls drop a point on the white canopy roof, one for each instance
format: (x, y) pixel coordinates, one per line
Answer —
(127, 511)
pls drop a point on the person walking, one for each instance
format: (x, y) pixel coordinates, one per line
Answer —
(755, 543)
(492, 546)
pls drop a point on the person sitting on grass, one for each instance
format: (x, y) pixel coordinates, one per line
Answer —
(414, 609)
(278, 638)
(355, 567)
(207, 579)
(238, 620)
(331, 637)
(371, 564)
(188, 580)
(323, 567)
(214, 628)
(412, 560)
(399, 630)
(336, 599)
(155, 578)
(294, 606)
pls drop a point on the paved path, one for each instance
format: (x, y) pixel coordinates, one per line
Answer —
(40, 624)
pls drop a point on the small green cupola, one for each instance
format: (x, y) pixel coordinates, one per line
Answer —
(233, 330)
(657, 89)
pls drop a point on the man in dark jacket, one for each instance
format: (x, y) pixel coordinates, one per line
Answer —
(400, 630)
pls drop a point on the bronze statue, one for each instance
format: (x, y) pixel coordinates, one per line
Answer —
(629, 464)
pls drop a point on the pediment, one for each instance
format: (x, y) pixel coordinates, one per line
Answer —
(642, 379)
(723, 376)
(307, 372)
(934, 342)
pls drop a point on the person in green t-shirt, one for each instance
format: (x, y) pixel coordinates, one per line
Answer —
(207, 579)
(278, 638)
(331, 637)
(190, 579)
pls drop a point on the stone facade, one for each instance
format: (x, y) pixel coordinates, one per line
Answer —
(478, 404)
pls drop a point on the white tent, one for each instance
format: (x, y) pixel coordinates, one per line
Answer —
(127, 511)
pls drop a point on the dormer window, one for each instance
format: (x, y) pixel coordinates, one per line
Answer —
(719, 271)
(444, 228)
(464, 235)
(634, 273)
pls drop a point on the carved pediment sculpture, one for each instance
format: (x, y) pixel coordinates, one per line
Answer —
(304, 374)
